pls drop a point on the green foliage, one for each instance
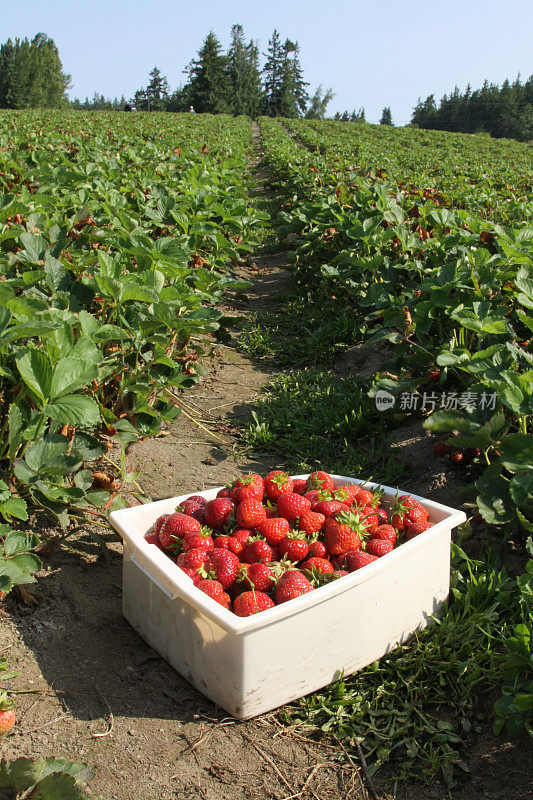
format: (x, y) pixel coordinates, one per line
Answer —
(18, 564)
(46, 779)
(114, 253)
(31, 74)
(514, 710)
(418, 706)
(505, 111)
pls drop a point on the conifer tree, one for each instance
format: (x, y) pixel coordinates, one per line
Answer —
(157, 91)
(386, 116)
(244, 74)
(209, 79)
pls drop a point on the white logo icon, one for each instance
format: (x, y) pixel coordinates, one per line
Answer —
(384, 400)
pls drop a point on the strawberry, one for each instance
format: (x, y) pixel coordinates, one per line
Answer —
(247, 492)
(176, 526)
(317, 565)
(262, 577)
(383, 517)
(193, 574)
(224, 564)
(253, 480)
(229, 543)
(440, 449)
(347, 493)
(249, 603)
(321, 481)
(314, 496)
(241, 534)
(212, 588)
(412, 529)
(224, 492)
(317, 550)
(277, 483)
(151, 538)
(160, 521)
(217, 512)
(295, 546)
(250, 514)
(291, 506)
(257, 552)
(327, 507)
(385, 532)
(291, 585)
(274, 529)
(225, 601)
(358, 558)
(192, 559)
(369, 519)
(364, 498)
(343, 533)
(7, 714)
(194, 507)
(298, 485)
(201, 540)
(379, 547)
(311, 522)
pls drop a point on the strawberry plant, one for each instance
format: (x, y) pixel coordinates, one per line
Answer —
(46, 779)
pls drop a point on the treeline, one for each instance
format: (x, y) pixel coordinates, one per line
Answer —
(502, 112)
(233, 82)
(31, 74)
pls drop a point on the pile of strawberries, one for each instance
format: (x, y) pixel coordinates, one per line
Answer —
(265, 541)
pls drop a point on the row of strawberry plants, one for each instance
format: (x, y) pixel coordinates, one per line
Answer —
(449, 290)
(117, 239)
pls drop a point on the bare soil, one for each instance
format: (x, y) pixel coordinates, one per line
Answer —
(93, 691)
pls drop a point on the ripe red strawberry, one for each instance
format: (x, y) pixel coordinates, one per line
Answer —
(291, 585)
(258, 552)
(357, 559)
(249, 603)
(383, 517)
(160, 521)
(217, 512)
(311, 522)
(364, 498)
(277, 483)
(194, 507)
(317, 564)
(192, 573)
(347, 493)
(262, 577)
(252, 480)
(314, 496)
(440, 449)
(379, 547)
(385, 532)
(295, 546)
(230, 543)
(201, 540)
(343, 533)
(327, 507)
(317, 550)
(299, 485)
(224, 564)
(339, 573)
(412, 529)
(151, 538)
(369, 519)
(176, 526)
(242, 534)
(7, 714)
(291, 506)
(274, 529)
(416, 514)
(320, 480)
(250, 514)
(225, 601)
(211, 587)
(192, 559)
(224, 492)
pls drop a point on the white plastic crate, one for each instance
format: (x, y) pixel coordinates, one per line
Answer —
(251, 665)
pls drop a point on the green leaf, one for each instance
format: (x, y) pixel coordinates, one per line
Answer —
(70, 375)
(15, 507)
(74, 409)
(494, 501)
(35, 368)
(517, 452)
(18, 542)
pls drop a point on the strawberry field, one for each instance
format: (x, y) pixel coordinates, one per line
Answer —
(128, 249)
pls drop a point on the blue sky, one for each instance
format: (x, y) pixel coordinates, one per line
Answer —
(372, 54)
